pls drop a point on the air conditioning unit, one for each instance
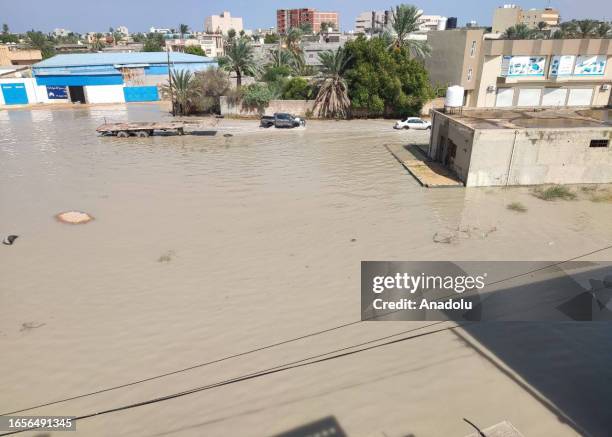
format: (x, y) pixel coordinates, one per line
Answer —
(605, 87)
(491, 88)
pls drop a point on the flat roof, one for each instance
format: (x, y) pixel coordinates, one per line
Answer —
(529, 118)
(92, 59)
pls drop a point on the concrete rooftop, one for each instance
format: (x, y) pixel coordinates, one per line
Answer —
(538, 118)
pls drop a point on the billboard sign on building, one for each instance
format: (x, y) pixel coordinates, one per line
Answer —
(57, 92)
(562, 65)
(517, 66)
(590, 65)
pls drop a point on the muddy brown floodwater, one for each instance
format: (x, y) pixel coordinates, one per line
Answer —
(207, 245)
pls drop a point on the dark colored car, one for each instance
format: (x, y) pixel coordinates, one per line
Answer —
(281, 119)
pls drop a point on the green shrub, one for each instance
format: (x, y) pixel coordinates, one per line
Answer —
(257, 95)
(517, 206)
(297, 88)
(195, 50)
(274, 73)
(553, 192)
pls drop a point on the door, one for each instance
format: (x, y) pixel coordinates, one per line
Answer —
(529, 97)
(554, 97)
(77, 94)
(15, 93)
(580, 96)
(504, 97)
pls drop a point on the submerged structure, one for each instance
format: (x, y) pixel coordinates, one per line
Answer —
(498, 147)
(99, 77)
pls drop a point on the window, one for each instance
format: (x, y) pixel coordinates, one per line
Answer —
(473, 49)
(469, 76)
(599, 143)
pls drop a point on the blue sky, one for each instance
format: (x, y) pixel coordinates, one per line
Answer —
(139, 15)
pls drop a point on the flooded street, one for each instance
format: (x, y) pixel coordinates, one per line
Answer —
(204, 246)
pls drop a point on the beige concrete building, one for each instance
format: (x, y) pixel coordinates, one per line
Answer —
(522, 73)
(211, 44)
(517, 147)
(222, 23)
(510, 15)
(12, 55)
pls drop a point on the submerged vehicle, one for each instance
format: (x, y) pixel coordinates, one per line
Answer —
(412, 123)
(281, 119)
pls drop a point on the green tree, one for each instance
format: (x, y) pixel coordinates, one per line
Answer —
(231, 35)
(297, 88)
(603, 30)
(404, 21)
(326, 25)
(183, 91)
(293, 40)
(5, 29)
(257, 95)
(332, 99)
(240, 59)
(519, 31)
(585, 28)
(98, 42)
(271, 38)
(385, 82)
(195, 50)
(212, 84)
(154, 42)
(306, 28)
(183, 29)
(40, 41)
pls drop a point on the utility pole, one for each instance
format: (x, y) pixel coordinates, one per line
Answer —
(170, 82)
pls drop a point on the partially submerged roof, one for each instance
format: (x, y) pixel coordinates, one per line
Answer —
(93, 59)
(539, 118)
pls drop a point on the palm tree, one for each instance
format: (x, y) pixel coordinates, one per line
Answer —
(117, 36)
(5, 29)
(586, 28)
(183, 91)
(239, 58)
(542, 25)
(38, 40)
(98, 43)
(293, 39)
(183, 29)
(603, 30)
(332, 99)
(404, 21)
(280, 58)
(518, 31)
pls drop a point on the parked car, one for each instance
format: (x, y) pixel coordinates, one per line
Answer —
(412, 123)
(281, 119)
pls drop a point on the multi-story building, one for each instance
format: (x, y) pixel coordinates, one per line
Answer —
(431, 22)
(372, 21)
(211, 44)
(522, 73)
(288, 18)
(123, 30)
(510, 15)
(61, 32)
(222, 23)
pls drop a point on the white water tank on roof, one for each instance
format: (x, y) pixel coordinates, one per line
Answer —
(454, 97)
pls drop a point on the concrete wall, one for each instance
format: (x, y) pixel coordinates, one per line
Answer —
(295, 107)
(447, 134)
(104, 94)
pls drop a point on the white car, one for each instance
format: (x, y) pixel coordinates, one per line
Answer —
(412, 123)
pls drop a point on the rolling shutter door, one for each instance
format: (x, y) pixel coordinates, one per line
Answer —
(529, 97)
(580, 96)
(554, 97)
(504, 97)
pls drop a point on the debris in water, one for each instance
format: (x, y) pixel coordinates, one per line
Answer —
(74, 217)
(353, 240)
(227, 135)
(26, 326)
(9, 240)
(166, 257)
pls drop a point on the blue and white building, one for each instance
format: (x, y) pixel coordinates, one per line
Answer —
(99, 77)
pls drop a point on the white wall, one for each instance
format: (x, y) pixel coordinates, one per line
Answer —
(104, 94)
(36, 93)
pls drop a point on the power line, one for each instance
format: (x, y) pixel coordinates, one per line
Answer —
(315, 359)
(270, 346)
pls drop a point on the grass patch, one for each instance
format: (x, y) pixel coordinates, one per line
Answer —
(517, 206)
(601, 196)
(553, 192)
